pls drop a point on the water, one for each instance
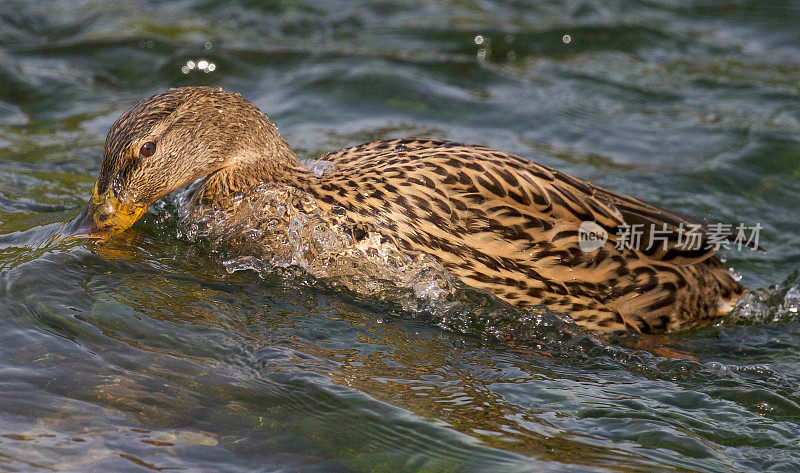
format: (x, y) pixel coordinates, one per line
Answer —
(147, 353)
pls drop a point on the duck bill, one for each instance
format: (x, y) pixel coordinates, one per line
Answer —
(106, 214)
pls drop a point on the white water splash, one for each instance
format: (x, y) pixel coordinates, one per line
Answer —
(272, 226)
(778, 303)
(318, 167)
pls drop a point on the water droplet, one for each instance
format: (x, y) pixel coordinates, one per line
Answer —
(207, 45)
(201, 64)
(792, 300)
(479, 39)
(566, 38)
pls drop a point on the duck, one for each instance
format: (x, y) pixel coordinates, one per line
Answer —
(496, 222)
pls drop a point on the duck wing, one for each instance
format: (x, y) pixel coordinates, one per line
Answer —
(486, 179)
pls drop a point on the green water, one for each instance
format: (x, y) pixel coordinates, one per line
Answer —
(147, 354)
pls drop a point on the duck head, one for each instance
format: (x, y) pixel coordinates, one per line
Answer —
(172, 139)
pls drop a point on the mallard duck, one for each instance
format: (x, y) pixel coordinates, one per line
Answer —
(495, 221)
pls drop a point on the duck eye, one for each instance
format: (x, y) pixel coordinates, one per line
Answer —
(147, 149)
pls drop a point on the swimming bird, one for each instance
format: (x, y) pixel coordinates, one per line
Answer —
(497, 222)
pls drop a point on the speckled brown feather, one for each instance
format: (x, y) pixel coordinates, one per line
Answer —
(498, 222)
(510, 226)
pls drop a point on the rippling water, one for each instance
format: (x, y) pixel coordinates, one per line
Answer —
(146, 353)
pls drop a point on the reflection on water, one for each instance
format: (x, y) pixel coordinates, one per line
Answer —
(146, 353)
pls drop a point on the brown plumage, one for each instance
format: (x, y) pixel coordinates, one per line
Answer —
(496, 221)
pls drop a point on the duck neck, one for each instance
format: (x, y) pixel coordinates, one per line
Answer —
(273, 163)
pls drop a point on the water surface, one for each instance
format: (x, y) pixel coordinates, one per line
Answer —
(147, 354)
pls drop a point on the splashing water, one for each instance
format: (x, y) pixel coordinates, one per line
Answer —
(318, 166)
(272, 226)
(774, 304)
